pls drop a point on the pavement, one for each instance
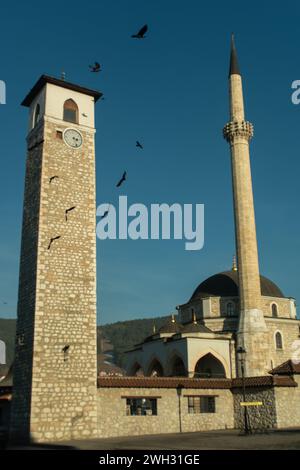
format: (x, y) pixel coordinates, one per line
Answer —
(287, 439)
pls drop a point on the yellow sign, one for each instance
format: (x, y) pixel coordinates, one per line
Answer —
(251, 403)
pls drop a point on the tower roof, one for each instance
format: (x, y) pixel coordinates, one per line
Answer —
(62, 83)
(234, 65)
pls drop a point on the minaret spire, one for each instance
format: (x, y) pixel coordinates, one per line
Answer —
(238, 133)
(234, 65)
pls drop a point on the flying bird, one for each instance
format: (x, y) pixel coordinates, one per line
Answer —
(96, 67)
(105, 214)
(4, 303)
(84, 115)
(53, 178)
(66, 348)
(69, 210)
(141, 33)
(52, 240)
(139, 145)
(122, 179)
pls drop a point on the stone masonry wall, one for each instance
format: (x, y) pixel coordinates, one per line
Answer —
(113, 421)
(260, 417)
(20, 414)
(63, 313)
(288, 405)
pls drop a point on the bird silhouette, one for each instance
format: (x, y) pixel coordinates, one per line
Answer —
(122, 179)
(84, 115)
(141, 33)
(139, 145)
(105, 213)
(52, 240)
(69, 210)
(95, 68)
(4, 303)
(53, 178)
(66, 348)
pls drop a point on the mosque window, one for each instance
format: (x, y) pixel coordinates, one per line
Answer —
(278, 340)
(230, 309)
(274, 310)
(70, 111)
(201, 404)
(141, 406)
(36, 116)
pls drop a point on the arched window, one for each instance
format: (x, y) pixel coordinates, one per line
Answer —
(178, 367)
(274, 310)
(36, 116)
(70, 111)
(155, 369)
(278, 340)
(230, 309)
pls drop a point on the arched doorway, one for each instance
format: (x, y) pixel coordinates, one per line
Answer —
(155, 369)
(209, 366)
(177, 367)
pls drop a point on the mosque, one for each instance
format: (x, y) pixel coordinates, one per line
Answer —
(237, 310)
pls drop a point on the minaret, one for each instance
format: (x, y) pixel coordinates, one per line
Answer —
(238, 132)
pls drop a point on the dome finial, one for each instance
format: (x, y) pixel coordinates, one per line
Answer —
(194, 318)
(173, 318)
(234, 264)
(154, 328)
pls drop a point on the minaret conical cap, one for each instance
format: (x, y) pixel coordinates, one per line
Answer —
(234, 65)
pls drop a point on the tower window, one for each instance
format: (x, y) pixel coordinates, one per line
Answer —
(230, 309)
(70, 111)
(36, 116)
(278, 340)
(274, 310)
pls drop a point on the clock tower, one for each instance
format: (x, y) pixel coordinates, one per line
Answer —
(55, 371)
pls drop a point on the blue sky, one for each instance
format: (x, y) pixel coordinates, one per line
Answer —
(170, 91)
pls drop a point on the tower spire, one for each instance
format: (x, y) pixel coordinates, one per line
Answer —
(251, 334)
(234, 65)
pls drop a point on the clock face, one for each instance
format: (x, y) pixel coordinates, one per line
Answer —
(73, 138)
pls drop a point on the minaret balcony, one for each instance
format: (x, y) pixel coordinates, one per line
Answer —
(235, 129)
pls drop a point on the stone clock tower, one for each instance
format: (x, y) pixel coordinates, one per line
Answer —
(55, 365)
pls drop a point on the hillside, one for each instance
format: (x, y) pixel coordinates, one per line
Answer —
(126, 334)
(113, 339)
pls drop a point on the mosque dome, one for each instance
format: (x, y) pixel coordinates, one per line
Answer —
(226, 284)
(171, 326)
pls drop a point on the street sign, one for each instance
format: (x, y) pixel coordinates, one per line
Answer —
(251, 403)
